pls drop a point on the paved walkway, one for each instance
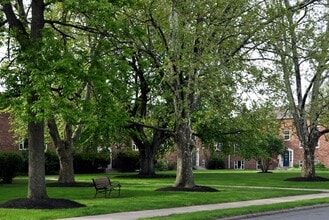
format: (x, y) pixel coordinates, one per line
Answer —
(188, 209)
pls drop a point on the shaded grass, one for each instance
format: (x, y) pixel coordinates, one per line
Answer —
(140, 194)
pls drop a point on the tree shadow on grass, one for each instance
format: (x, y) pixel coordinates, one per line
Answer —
(193, 189)
(304, 179)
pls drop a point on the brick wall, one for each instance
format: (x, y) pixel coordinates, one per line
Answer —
(321, 152)
(7, 140)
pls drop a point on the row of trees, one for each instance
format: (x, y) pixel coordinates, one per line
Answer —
(94, 72)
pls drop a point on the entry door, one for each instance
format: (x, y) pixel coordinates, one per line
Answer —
(286, 157)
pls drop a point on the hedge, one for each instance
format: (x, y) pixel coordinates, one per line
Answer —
(10, 164)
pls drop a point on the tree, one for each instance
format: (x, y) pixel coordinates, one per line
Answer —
(149, 117)
(267, 149)
(194, 46)
(297, 46)
(29, 41)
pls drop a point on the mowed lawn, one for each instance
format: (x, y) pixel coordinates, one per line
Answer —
(141, 194)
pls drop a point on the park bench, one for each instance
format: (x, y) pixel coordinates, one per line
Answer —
(104, 185)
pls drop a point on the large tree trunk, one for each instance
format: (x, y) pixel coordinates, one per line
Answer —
(64, 150)
(308, 169)
(148, 149)
(309, 137)
(184, 147)
(65, 156)
(36, 183)
(147, 161)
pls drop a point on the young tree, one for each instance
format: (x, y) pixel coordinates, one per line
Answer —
(267, 149)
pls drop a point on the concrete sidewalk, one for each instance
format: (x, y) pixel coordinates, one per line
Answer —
(189, 209)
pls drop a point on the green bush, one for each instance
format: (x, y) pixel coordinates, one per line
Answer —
(10, 164)
(52, 163)
(162, 165)
(91, 162)
(320, 165)
(127, 161)
(25, 166)
(216, 163)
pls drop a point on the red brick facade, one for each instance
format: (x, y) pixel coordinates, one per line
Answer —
(294, 148)
(292, 158)
(7, 140)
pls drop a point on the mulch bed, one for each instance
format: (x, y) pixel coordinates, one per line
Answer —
(194, 189)
(76, 184)
(25, 203)
(156, 176)
(304, 179)
(41, 204)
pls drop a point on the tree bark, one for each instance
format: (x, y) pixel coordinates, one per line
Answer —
(148, 149)
(64, 150)
(308, 168)
(36, 183)
(147, 161)
(184, 146)
(65, 156)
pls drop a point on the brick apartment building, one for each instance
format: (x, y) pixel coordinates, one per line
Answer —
(7, 140)
(293, 157)
(294, 154)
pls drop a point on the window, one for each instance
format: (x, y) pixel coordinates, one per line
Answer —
(134, 147)
(258, 165)
(301, 162)
(239, 164)
(23, 145)
(218, 147)
(317, 145)
(286, 135)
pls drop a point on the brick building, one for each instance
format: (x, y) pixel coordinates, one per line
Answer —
(293, 157)
(7, 140)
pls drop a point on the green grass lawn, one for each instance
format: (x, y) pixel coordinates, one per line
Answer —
(140, 194)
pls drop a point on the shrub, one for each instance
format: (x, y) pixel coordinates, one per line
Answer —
(216, 163)
(52, 163)
(25, 166)
(162, 165)
(127, 161)
(10, 163)
(320, 165)
(91, 162)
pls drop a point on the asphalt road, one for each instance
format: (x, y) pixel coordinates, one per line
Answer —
(312, 213)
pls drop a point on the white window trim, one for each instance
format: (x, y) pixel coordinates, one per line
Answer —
(218, 146)
(284, 135)
(236, 163)
(317, 146)
(21, 145)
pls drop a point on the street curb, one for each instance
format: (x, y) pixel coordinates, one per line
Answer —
(259, 214)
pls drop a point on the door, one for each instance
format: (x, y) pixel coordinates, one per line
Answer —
(286, 158)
